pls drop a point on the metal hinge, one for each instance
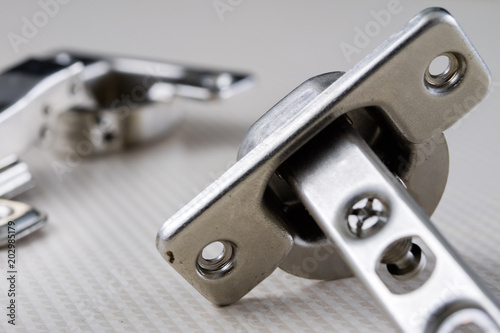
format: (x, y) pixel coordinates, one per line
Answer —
(90, 104)
(339, 178)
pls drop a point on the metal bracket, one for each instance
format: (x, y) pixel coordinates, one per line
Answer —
(112, 102)
(400, 107)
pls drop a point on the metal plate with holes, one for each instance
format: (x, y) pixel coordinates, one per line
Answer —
(370, 217)
(423, 174)
(392, 79)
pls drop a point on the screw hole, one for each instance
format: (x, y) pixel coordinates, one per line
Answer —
(444, 72)
(439, 66)
(109, 136)
(405, 265)
(216, 259)
(46, 110)
(410, 265)
(213, 251)
(75, 88)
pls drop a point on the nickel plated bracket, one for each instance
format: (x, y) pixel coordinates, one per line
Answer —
(336, 168)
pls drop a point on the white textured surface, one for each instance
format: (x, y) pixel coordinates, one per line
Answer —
(95, 266)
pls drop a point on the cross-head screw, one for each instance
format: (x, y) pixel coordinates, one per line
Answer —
(367, 216)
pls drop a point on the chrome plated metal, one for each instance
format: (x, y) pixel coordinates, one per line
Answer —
(374, 132)
(111, 102)
(423, 168)
(93, 104)
(330, 179)
(30, 94)
(389, 83)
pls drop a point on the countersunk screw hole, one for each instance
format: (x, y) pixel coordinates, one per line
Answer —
(216, 259)
(213, 251)
(444, 72)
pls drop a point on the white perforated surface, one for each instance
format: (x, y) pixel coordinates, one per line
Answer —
(95, 266)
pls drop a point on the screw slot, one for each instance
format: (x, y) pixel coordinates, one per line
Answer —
(216, 259)
(444, 72)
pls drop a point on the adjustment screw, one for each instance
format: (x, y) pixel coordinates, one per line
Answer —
(367, 216)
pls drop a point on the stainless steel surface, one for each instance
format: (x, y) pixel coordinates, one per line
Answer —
(94, 267)
(237, 207)
(330, 174)
(423, 168)
(260, 243)
(25, 220)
